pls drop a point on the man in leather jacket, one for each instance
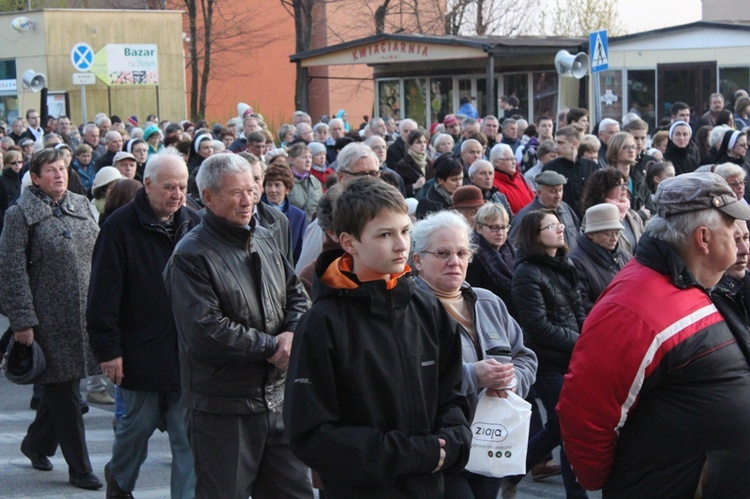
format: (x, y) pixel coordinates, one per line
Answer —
(236, 302)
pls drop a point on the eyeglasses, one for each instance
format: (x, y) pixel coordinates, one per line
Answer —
(623, 185)
(14, 162)
(497, 228)
(443, 254)
(735, 185)
(612, 234)
(506, 159)
(628, 148)
(741, 144)
(371, 173)
(555, 227)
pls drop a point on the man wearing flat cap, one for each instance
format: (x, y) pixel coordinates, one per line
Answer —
(549, 195)
(657, 396)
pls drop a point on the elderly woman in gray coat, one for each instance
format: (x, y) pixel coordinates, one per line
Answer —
(494, 357)
(46, 249)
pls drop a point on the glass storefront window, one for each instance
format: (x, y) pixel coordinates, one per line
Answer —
(518, 85)
(8, 91)
(731, 80)
(482, 97)
(642, 95)
(545, 94)
(441, 94)
(610, 94)
(389, 97)
(415, 95)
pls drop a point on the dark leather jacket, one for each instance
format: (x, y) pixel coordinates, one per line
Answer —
(232, 292)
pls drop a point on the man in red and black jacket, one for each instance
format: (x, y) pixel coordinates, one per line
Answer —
(656, 399)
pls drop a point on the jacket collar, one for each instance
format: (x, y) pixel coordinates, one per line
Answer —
(659, 256)
(35, 210)
(231, 234)
(148, 219)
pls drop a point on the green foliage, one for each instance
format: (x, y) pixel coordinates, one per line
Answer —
(581, 17)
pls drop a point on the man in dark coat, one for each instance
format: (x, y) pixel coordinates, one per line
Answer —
(397, 150)
(576, 170)
(113, 143)
(131, 327)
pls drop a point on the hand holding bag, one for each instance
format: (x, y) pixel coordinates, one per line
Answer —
(500, 436)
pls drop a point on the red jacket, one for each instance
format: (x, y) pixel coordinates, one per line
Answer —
(658, 387)
(515, 188)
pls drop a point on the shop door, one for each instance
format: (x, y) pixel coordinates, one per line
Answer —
(690, 83)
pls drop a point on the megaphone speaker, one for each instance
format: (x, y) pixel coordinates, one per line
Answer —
(568, 64)
(35, 81)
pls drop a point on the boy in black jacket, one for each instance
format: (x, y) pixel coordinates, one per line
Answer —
(373, 399)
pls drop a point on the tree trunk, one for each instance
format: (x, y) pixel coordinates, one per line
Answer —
(190, 4)
(380, 14)
(208, 14)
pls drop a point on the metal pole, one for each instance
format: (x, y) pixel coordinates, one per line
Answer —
(597, 99)
(158, 110)
(83, 103)
(490, 97)
(109, 100)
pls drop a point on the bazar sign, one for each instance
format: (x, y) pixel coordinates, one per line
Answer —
(394, 51)
(132, 64)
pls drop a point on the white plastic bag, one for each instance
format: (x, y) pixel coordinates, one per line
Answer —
(500, 436)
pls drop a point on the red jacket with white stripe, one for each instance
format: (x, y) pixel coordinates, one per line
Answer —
(658, 387)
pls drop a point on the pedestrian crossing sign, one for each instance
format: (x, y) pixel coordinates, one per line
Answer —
(599, 51)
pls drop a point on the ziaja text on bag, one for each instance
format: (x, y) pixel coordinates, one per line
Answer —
(500, 436)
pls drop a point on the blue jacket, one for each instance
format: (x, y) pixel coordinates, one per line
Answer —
(297, 221)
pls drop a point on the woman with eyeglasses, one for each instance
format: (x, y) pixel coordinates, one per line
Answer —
(493, 263)
(598, 257)
(622, 154)
(733, 150)
(495, 359)
(735, 176)
(10, 180)
(611, 186)
(545, 292)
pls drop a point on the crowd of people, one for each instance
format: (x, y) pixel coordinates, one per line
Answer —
(337, 298)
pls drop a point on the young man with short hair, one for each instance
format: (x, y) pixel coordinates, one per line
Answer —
(373, 401)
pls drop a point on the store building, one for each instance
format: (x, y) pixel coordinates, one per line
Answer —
(423, 77)
(136, 59)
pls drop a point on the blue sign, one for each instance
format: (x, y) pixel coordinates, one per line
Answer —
(598, 51)
(82, 56)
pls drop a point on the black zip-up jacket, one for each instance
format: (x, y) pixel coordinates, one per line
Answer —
(232, 292)
(374, 381)
(545, 294)
(128, 313)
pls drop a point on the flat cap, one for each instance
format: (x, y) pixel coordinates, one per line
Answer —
(695, 191)
(550, 178)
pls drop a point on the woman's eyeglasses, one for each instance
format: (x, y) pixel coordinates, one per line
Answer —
(497, 228)
(463, 254)
(553, 227)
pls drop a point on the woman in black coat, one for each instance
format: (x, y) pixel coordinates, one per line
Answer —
(449, 176)
(732, 150)
(678, 148)
(10, 181)
(598, 257)
(494, 261)
(550, 311)
(415, 168)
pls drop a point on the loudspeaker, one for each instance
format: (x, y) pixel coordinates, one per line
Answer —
(35, 81)
(568, 64)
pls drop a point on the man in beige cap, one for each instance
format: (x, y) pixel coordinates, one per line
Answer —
(657, 394)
